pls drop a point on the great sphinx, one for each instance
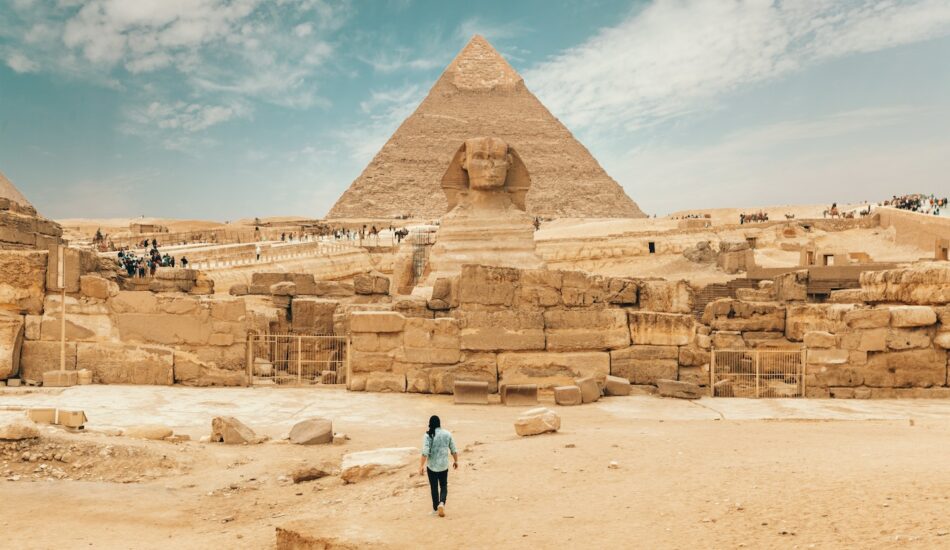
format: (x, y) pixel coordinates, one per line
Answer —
(486, 185)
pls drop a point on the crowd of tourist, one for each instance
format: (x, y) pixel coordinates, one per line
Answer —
(925, 204)
(147, 264)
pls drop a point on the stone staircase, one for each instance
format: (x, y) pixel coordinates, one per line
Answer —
(720, 290)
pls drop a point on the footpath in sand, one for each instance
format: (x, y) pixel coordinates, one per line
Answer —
(715, 473)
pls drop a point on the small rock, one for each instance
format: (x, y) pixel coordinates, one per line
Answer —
(313, 431)
(537, 421)
(231, 431)
(310, 473)
(362, 465)
(153, 432)
(16, 428)
(614, 465)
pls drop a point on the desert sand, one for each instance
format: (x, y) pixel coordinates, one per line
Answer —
(724, 473)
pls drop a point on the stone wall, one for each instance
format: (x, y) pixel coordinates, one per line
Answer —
(888, 338)
(509, 326)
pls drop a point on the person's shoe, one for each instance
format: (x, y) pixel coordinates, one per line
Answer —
(433, 513)
(441, 509)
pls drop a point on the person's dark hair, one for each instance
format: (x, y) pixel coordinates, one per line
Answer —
(434, 423)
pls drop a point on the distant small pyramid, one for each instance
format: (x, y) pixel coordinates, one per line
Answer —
(9, 191)
(480, 94)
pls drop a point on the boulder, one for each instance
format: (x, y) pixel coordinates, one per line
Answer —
(537, 421)
(310, 473)
(313, 431)
(231, 431)
(615, 385)
(590, 391)
(568, 395)
(14, 427)
(680, 390)
(366, 464)
(154, 432)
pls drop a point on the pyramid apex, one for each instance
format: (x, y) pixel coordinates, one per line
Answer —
(9, 191)
(480, 68)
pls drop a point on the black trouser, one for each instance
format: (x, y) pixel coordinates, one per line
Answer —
(437, 481)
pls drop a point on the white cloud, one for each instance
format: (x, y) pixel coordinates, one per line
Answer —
(303, 29)
(386, 109)
(21, 64)
(673, 57)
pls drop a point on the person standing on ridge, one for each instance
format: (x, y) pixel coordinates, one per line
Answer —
(436, 446)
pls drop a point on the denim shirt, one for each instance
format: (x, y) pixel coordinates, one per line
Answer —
(437, 449)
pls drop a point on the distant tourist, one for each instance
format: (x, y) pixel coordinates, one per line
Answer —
(257, 250)
(436, 446)
(184, 262)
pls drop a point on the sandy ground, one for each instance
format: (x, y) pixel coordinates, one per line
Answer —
(717, 473)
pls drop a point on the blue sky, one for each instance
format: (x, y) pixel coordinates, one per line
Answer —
(220, 109)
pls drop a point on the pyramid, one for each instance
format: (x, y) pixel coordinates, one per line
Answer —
(9, 191)
(480, 94)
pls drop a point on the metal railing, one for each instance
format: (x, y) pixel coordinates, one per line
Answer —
(297, 359)
(757, 373)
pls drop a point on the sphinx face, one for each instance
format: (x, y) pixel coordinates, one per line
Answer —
(486, 160)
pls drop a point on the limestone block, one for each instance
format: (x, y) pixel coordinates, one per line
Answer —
(32, 327)
(126, 363)
(363, 465)
(690, 356)
(537, 421)
(834, 375)
(820, 339)
(376, 321)
(60, 378)
(94, 286)
(723, 388)
(469, 392)
(622, 292)
(754, 295)
(791, 287)
(385, 382)
(412, 306)
(369, 283)
(922, 284)
(313, 315)
(847, 296)
(15, 427)
(666, 296)
(228, 309)
(540, 288)
(900, 339)
(443, 294)
(704, 341)
(39, 357)
(312, 431)
(376, 341)
(615, 385)
(645, 364)
(284, 288)
(551, 369)
(865, 340)
(905, 369)
(221, 339)
(727, 339)
(430, 355)
(11, 342)
(504, 330)
(680, 390)
(868, 318)
(942, 339)
(519, 395)
(239, 290)
(231, 431)
(586, 329)
(331, 289)
(165, 329)
(590, 390)
(482, 367)
(580, 290)
(912, 316)
(726, 314)
(129, 301)
(22, 281)
(802, 318)
(282, 302)
(661, 329)
(442, 334)
(362, 361)
(568, 395)
(190, 370)
(694, 375)
(828, 356)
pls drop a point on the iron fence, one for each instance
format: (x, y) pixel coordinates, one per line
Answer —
(757, 373)
(297, 359)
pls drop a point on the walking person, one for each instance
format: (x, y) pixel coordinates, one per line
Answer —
(436, 446)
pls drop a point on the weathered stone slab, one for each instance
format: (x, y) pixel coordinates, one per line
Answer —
(551, 369)
(874, 339)
(905, 369)
(519, 395)
(912, 316)
(661, 329)
(490, 286)
(363, 361)
(482, 367)
(376, 321)
(11, 342)
(94, 286)
(504, 330)
(568, 395)
(39, 357)
(313, 315)
(469, 392)
(385, 382)
(126, 363)
(666, 296)
(586, 329)
(868, 318)
(231, 431)
(922, 284)
(537, 421)
(726, 314)
(802, 318)
(645, 364)
(680, 390)
(22, 281)
(366, 464)
(616, 386)
(901, 339)
(590, 390)
(60, 378)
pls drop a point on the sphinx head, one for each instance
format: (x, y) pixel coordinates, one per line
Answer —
(486, 160)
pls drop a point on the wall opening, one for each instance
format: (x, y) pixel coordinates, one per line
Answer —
(652, 246)
(829, 259)
(751, 241)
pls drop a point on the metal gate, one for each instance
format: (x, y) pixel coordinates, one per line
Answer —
(297, 359)
(757, 373)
